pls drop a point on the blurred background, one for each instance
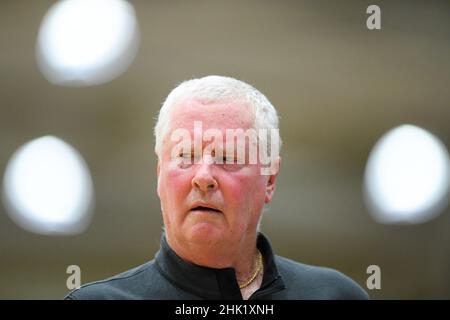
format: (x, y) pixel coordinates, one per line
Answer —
(338, 86)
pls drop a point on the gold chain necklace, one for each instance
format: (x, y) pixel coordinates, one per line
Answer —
(259, 264)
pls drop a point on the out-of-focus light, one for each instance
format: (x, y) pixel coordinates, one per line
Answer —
(47, 188)
(87, 42)
(407, 177)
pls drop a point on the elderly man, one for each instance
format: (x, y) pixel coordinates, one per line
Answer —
(217, 148)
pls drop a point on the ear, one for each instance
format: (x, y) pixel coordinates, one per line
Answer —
(272, 181)
(158, 171)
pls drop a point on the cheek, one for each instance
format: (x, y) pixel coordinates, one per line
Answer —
(173, 186)
(245, 190)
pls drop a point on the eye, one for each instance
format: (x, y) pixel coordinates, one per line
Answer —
(232, 164)
(229, 160)
(185, 155)
(185, 160)
(225, 160)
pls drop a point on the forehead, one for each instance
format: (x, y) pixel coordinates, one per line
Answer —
(226, 114)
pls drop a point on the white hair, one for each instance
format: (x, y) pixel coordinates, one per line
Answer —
(216, 88)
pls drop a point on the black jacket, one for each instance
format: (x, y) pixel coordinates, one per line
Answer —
(169, 277)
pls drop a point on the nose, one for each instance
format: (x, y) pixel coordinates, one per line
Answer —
(203, 179)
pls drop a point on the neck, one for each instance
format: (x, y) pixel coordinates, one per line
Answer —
(241, 257)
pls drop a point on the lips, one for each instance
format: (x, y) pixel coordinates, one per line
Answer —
(205, 207)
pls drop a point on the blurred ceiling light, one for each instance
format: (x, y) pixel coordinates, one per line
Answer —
(407, 177)
(47, 188)
(87, 42)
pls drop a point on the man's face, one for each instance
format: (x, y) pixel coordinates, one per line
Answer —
(209, 203)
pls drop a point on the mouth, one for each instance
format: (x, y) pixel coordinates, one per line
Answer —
(205, 209)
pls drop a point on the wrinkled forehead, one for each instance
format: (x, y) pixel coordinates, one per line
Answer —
(218, 114)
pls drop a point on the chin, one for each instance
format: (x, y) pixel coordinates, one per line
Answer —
(205, 233)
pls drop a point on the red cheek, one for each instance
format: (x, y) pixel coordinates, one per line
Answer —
(177, 179)
(243, 185)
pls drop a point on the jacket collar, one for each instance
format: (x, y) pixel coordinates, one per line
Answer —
(210, 283)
